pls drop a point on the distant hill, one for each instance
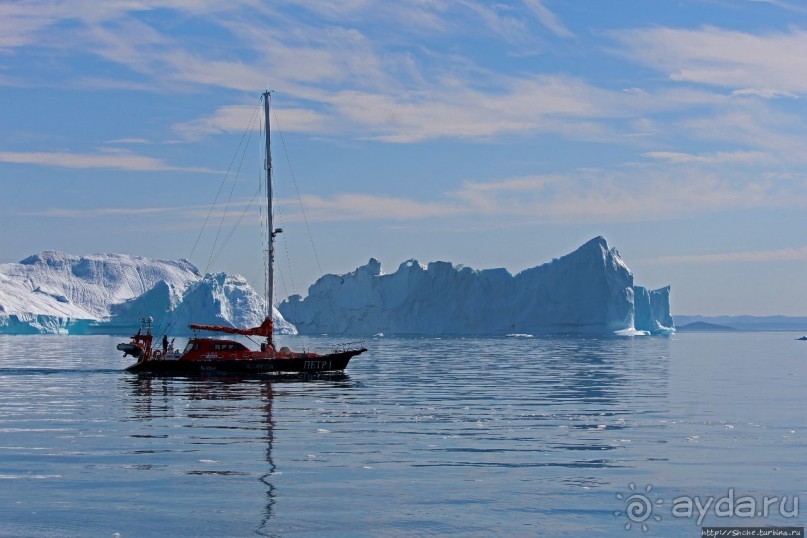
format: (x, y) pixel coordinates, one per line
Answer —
(703, 326)
(747, 323)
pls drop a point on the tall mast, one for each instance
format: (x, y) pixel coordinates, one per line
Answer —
(270, 280)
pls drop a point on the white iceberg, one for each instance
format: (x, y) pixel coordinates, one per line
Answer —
(53, 292)
(590, 290)
(652, 310)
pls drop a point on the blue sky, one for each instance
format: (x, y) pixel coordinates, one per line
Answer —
(486, 134)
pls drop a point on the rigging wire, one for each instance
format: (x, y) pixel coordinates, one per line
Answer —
(297, 189)
(245, 140)
(224, 180)
(236, 225)
(250, 130)
(286, 249)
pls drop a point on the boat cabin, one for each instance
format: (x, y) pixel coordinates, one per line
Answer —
(218, 349)
(213, 344)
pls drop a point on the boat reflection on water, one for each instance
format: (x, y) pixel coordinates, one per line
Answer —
(191, 411)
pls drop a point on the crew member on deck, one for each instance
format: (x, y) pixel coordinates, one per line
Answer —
(165, 344)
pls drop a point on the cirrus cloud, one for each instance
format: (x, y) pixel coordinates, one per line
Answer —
(111, 160)
(768, 65)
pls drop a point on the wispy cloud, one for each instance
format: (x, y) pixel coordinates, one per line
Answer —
(750, 256)
(501, 21)
(604, 196)
(381, 92)
(343, 77)
(547, 18)
(769, 65)
(189, 212)
(681, 186)
(128, 141)
(226, 119)
(348, 207)
(755, 125)
(790, 6)
(235, 119)
(99, 83)
(455, 108)
(722, 157)
(764, 93)
(112, 160)
(19, 24)
(685, 187)
(98, 212)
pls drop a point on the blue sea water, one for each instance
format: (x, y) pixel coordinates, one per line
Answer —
(473, 437)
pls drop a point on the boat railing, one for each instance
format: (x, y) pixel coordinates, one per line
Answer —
(347, 346)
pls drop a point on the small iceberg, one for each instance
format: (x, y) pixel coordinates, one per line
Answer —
(519, 335)
(631, 332)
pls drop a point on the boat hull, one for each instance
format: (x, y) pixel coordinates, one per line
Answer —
(323, 363)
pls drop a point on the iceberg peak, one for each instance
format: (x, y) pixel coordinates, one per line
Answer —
(47, 257)
(371, 268)
(596, 242)
(597, 246)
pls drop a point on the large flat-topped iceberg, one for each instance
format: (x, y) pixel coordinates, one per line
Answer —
(590, 290)
(53, 292)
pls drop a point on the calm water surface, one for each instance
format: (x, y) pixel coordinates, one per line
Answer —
(475, 437)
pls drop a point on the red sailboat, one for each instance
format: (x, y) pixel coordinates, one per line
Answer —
(205, 355)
